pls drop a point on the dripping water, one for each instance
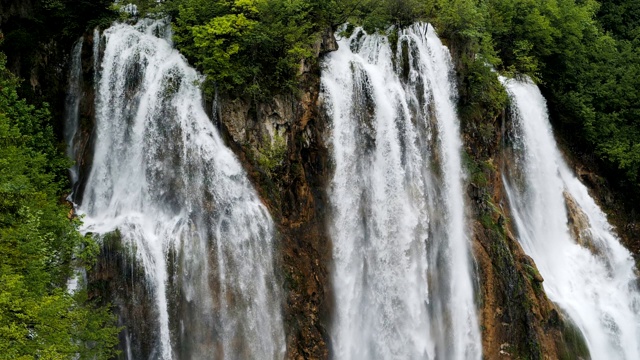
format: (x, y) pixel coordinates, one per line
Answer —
(74, 95)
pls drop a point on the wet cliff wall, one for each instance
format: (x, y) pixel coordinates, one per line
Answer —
(37, 38)
(282, 144)
(517, 319)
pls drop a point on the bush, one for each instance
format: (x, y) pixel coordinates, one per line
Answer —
(40, 246)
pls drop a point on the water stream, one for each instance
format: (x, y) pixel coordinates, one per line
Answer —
(402, 273)
(179, 199)
(586, 270)
(74, 95)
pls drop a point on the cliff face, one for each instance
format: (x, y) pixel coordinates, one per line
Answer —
(282, 145)
(517, 319)
(12, 8)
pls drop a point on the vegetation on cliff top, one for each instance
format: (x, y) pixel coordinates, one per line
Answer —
(584, 54)
(40, 245)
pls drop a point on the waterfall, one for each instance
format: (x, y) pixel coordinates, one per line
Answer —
(587, 272)
(74, 94)
(96, 57)
(164, 182)
(402, 274)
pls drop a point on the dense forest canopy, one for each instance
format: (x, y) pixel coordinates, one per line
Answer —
(584, 54)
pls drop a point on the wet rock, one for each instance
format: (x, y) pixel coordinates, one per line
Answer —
(532, 269)
(295, 193)
(579, 225)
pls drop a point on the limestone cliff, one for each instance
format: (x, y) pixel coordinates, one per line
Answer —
(282, 145)
(293, 186)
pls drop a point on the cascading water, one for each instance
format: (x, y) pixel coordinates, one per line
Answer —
(164, 181)
(402, 276)
(590, 274)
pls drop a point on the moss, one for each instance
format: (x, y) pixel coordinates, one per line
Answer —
(534, 277)
(518, 303)
(112, 241)
(572, 345)
(476, 171)
(272, 156)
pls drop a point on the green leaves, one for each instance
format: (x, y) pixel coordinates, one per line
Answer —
(51, 326)
(38, 245)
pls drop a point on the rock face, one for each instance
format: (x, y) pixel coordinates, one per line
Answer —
(579, 225)
(293, 187)
(281, 143)
(12, 8)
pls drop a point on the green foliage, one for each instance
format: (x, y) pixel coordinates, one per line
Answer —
(272, 157)
(37, 40)
(589, 76)
(621, 18)
(39, 245)
(68, 19)
(256, 47)
(599, 97)
(249, 47)
(587, 69)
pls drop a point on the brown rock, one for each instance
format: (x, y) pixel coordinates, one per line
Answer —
(579, 225)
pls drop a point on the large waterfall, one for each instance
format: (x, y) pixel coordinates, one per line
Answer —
(586, 271)
(402, 274)
(162, 179)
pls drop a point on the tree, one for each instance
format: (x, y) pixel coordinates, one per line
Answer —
(40, 246)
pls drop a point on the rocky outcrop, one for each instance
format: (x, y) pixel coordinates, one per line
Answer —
(12, 8)
(517, 319)
(620, 205)
(118, 281)
(293, 188)
(579, 226)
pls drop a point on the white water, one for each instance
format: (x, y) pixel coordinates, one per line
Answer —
(97, 40)
(402, 276)
(181, 201)
(596, 289)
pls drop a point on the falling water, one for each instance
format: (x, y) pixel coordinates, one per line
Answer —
(96, 57)
(74, 94)
(180, 200)
(588, 274)
(402, 276)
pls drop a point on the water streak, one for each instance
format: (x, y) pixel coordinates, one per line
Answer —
(586, 270)
(180, 200)
(74, 95)
(402, 276)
